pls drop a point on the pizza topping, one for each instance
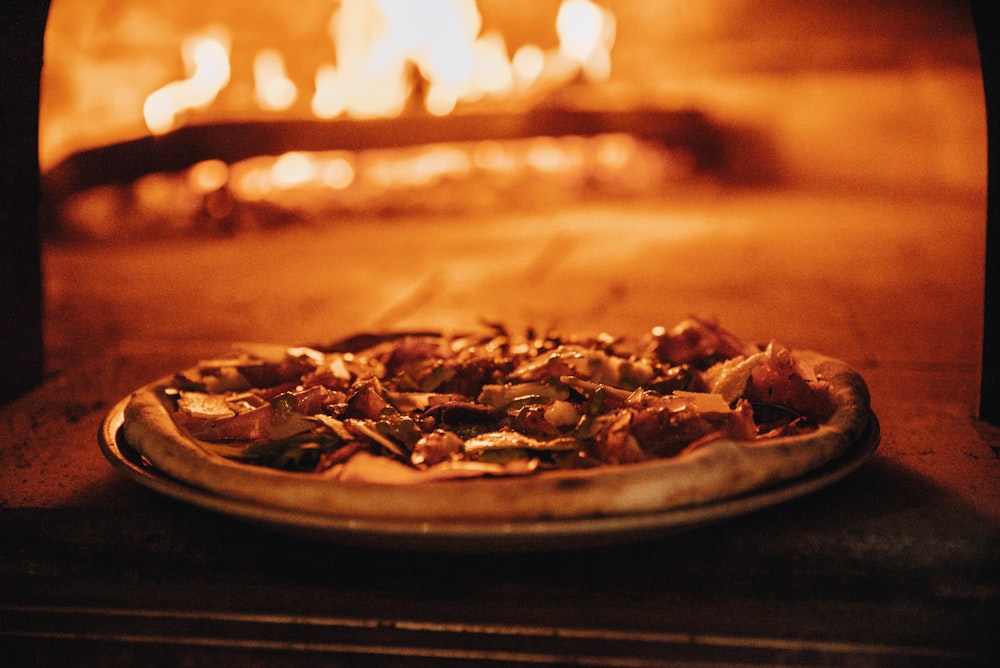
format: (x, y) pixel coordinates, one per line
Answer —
(697, 342)
(513, 395)
(454, 406)
(594, 364)
(508, 439)
(363, 429)
(204, 405)
(655, 426)
(436, 447)
(366, 400)
(561, 414)
(783, 380)
(774, 380)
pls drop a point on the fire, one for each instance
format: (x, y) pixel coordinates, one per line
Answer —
(586, 34)
(273, 90)
(390, 54)
(330, 99)
(208, 176)
(377, 59)
(206, 60)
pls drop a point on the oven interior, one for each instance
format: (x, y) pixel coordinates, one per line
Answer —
(814, 172)
(564, 164)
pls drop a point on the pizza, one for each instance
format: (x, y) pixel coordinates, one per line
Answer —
(499, 425)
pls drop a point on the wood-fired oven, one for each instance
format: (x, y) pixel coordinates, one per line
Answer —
(178, 175)
(166, 118)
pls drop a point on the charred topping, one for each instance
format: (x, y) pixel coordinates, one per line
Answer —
(426, 398)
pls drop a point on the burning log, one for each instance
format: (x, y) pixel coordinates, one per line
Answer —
(126, 161)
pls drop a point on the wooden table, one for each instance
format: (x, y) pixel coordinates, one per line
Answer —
(894, 565)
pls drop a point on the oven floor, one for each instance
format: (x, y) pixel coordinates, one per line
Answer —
(896, 563)
(891, 284)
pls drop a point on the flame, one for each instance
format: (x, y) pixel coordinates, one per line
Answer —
(586, 34)
(208, 176)
(527, 65)
(255, 179)
(330, 99)
(583, 29)
(206, 61)
(391, 56)
(421, 167)
(292, 169)
(273, 90)
(336, 173)
(383, 45)
(391, 53)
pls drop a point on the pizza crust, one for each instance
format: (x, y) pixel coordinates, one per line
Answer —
(717, 470)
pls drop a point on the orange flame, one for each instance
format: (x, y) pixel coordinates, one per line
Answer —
(388, 51)
(274, 91)
(206, 60)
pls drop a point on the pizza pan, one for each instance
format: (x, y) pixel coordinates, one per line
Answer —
(432, 534)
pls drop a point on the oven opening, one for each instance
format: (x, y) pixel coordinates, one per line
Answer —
(686, 128)
(203, 195)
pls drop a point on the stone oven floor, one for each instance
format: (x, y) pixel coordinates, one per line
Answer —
(895, 565)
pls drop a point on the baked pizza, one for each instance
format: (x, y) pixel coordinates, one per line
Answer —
(499, 425)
